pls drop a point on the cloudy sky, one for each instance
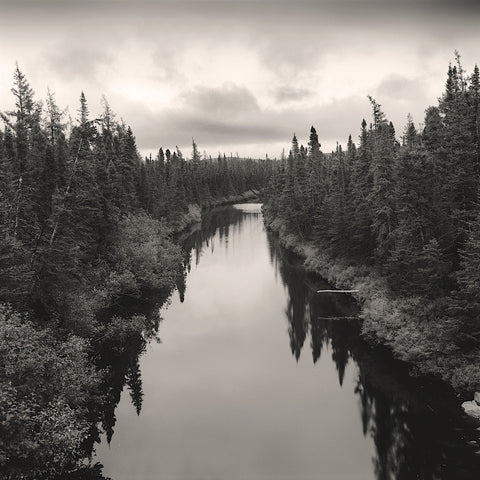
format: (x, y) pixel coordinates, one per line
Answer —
(238, 75)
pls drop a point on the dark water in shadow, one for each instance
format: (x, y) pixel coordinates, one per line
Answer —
(255, 378)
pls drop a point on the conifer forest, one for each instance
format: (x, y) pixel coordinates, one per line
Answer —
(85, 221)
(407, 206)
(161, 309)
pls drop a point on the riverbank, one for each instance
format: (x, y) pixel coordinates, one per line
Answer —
(148, 257)
(194, 213)
(250, 342)
(244, 197)
(90, 344)
(407, 325)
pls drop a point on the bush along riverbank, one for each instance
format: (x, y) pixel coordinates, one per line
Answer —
(85, 223)
(407, 325)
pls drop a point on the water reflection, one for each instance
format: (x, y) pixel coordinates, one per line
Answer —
(225, 222)
(119, 354)
(416, 425)
(411, 427)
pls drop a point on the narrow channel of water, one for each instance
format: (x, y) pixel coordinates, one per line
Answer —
(255, 379)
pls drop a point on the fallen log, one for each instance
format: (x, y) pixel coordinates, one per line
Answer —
(337, 318)
(337, 291)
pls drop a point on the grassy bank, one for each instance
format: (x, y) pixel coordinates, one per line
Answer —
(407, 325)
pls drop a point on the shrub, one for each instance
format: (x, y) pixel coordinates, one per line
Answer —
(143, 256)
(46, 388)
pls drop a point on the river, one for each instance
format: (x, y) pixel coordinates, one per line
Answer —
(258, 377)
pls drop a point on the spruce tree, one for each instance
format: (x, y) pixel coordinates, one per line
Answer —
(383, 146)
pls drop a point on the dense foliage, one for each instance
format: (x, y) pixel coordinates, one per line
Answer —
(84, 221)
(47, 386)
(408, 208)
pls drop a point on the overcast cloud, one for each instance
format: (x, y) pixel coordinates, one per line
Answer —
(238, 76)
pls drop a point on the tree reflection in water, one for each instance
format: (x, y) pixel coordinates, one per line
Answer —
(119, 357)
(415, 423)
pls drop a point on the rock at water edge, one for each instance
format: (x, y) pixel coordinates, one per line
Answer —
(472, 409)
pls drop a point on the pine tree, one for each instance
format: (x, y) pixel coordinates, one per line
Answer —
(57, 149)
(381, 198)
(458, 155)
(315, 176)
(362, 243)
(474, 104)
(410, 137)
(127, 165)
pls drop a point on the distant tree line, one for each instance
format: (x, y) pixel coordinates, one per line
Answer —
(409, 208)
(83, 220)
(169, 183)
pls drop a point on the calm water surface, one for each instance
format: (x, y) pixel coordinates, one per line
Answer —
(254, 380)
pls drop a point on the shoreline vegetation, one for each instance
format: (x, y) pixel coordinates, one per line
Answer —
(387, 320)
